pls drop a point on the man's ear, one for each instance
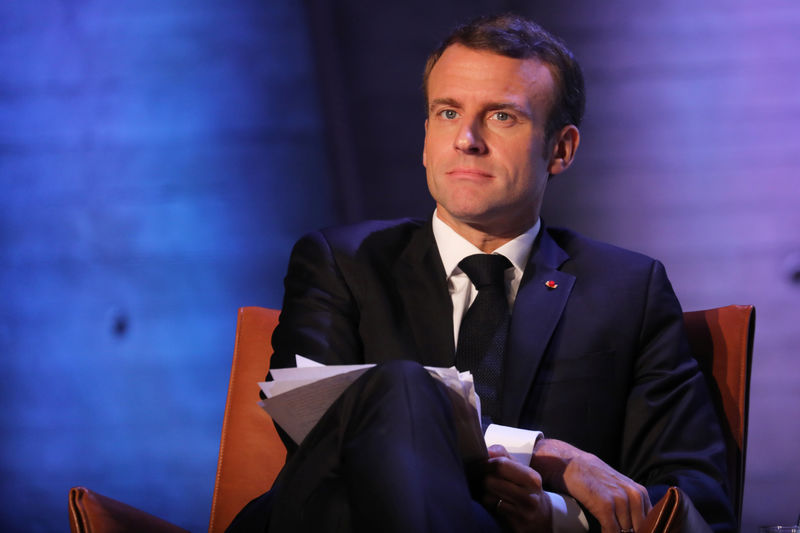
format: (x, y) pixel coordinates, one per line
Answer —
(425, 144)
(564, 148)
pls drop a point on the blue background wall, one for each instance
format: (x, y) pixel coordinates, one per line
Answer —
(158, 159)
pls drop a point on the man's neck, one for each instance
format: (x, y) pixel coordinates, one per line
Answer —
(484, 238)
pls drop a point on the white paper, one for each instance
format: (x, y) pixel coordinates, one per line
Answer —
(299, 409)
(296, 398)
(304, 362)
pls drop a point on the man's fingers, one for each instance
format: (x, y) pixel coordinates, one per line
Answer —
(623, 511)
(631, 505)
(623, 508)
(499, 488)
(517, 485)
(640, 505)
(611, 516)
(506, 468)
(521, 510)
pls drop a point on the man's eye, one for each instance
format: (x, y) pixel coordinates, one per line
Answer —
(502, 116)
(449, 114)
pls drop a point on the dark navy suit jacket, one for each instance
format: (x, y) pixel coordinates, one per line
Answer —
(600, 360)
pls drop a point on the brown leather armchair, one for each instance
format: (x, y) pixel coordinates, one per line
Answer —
(251, 453)
(722, 342)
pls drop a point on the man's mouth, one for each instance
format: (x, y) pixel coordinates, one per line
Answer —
(467, 172)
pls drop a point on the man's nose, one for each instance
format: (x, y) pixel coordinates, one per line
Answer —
(470, 139)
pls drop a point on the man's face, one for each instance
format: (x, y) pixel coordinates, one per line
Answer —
(485, 154)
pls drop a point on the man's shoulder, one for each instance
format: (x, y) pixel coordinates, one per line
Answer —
(386, 238)
(396, 229)
(585, 250)
(612, 273)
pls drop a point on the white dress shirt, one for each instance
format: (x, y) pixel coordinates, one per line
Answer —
(453, 248)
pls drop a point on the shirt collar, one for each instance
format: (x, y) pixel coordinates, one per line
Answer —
(453, 247)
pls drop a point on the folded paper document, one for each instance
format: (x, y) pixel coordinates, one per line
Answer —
(298, 397)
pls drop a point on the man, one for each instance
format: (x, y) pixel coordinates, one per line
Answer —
(594, 353)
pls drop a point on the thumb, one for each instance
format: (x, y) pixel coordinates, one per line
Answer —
(498, 450)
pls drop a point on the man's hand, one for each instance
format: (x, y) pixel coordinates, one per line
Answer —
(616, 501)
(513, 492)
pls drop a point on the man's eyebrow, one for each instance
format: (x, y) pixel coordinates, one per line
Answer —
(448, 102)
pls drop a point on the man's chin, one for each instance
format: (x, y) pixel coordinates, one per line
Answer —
(479, 219)
(497, 220)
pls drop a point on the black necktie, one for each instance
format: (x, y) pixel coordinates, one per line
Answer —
(484, 328)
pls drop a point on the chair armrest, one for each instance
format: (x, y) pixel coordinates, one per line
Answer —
(90, 512)
(674, 513)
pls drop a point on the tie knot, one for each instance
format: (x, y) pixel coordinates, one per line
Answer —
(485, 270)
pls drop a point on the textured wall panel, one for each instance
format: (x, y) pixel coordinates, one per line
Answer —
(157, 161)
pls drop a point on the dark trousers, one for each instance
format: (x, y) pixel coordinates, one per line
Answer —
(384, 458)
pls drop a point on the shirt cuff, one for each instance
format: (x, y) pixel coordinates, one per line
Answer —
(519, 443)
(568, 517)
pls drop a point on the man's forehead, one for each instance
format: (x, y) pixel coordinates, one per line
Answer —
(466, 70)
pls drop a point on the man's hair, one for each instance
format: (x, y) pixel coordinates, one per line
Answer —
(513, 36)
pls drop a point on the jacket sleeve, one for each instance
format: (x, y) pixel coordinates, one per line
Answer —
(319, 317)
(672, 435)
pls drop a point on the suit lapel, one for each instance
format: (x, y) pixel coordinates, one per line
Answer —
(537, 310)
(427, 303)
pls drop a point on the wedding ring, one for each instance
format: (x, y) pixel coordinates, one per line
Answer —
(497, 507)
(627, 530)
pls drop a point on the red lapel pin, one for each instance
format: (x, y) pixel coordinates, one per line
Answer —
(550, 284)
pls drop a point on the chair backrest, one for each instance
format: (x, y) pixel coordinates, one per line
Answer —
(250, 453)
(722, 342)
